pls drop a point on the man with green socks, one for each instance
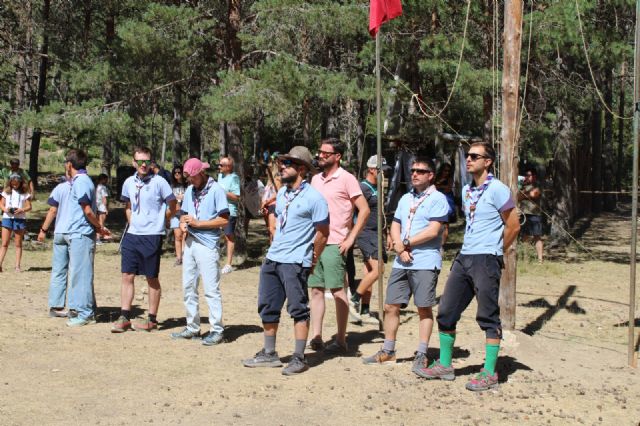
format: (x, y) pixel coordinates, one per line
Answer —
(491, 227)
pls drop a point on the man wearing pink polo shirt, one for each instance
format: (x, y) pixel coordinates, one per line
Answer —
(342, 192)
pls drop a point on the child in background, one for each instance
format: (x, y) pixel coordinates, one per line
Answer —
(102, 202)
(14, 204)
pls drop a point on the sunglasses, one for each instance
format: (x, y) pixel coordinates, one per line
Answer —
(141, 162)
(287, 163)
(421, 171)
(475, 156)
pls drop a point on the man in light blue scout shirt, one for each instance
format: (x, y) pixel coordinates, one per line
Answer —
(60, 259)
(302, 229)
(491, 227)
(146, 196)
(230, 182)
(416, 232)
(204, 211)
(79, 234)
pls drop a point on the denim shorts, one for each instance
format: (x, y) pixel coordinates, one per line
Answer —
(533, 225)
(14, 224)
(230, 227)
(141, 254)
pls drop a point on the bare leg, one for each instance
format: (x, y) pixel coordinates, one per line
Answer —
(537, 241)
(177, 237)
(369, 278)
(231, 243)
(301, 330)
(391, 321)
(272, 226)
(426, 323)
(154, 295)
(6, 236)
(18, 237)
(342, 313)
(317, 312)
(127, 290)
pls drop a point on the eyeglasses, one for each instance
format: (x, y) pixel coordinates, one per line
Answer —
(421, 171)
(475, 156)
(141, 162)
(326, 153)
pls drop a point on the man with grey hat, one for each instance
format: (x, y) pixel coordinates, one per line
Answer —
(302, 229)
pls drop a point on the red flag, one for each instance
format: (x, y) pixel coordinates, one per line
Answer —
(381, 11)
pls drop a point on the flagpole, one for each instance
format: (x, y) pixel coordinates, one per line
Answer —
(379, 180)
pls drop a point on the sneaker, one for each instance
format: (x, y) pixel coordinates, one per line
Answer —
(381, 357)
(58, 313)
(145, 325)
(420, 361)
(72, 313)
(213, 338)
(121, 325)
(79, 322)
(186, 334)
(482, 381)
(336, 348)
(297, 365)
(436, 371)
(263, 359)
(354, 310)
(316, 345)
(370, 319)
(98, 243)
(226, 270)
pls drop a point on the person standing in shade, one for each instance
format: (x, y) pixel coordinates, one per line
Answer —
(416, 233)
(491, 227)
(529, 199)
(147, 197)
(368, 242)
(60, 260)
(102, 199)
(343, 194)
(204, 211)
(230, 182)
(301, 234)
(178, 186)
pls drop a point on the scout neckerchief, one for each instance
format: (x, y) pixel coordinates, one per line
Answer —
(473, 195)
(198, 196)
(139, 184)
(289, 199)
(415, 203)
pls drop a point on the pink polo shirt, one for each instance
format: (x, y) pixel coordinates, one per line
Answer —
(338, 189)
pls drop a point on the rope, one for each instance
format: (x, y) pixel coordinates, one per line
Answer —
(593, 79)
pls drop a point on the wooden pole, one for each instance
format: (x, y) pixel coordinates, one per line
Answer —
(632, 356)
(509, 146)
(380, 179)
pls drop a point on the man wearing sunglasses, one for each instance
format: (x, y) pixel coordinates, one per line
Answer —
(342, 192)
(147, 197)
(302, 228)
(491, 227)
(416, 233)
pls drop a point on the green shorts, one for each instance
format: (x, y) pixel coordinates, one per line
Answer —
(329, 272)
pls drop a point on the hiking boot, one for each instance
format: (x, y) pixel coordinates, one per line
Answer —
(297, 365)
(381, 357)
(482, 381)
(186, 334)
(419, 361)
(335, 348)
(145, 325)
(316, 344)
(121, 325)
(79, 322)
(370, 319)
(354, 310)
(436, 371)
(58, 313)
(263, 359)
(213, 338)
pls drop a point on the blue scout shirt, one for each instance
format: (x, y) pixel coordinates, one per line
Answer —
(426, 256)
(148, 198)
(212, 205)
(82, 192)
(230, 183)
(59, 198)
(294, 243)
(484, 234)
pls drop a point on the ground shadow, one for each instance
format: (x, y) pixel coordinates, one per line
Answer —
(626, 323)
(551, 310)
(108, 314)
(506, 366)
(234, 332)
(434, 353)
(38, 269)
(172, 322)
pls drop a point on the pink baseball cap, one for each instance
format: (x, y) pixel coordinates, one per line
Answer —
(193, 166)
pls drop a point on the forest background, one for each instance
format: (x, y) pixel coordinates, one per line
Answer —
(207, 78)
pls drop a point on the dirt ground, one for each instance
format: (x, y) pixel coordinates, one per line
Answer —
(565, 364)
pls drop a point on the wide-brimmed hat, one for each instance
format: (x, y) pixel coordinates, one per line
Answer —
(299, 155)
(193, 166)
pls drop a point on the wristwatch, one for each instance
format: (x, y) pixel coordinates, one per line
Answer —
(407, 244)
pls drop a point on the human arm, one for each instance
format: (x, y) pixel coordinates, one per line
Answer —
(3, 205)
(217, 222)
(48, 219)
(405, 256)
(171, 211)
(359, 203)
(93, 219)
(319, 243)
(26, 207)
(428, 233)
(511, 227)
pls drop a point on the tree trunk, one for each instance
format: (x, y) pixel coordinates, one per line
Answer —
(596, 159)
(42, 87)
(360, 135)
(110, 153)
(164, 143)
(177, 126)
(154, 142)
(607, 149)
(195, 138)
(306, 122)
(620, 154)
(564, 181)
(258, 129)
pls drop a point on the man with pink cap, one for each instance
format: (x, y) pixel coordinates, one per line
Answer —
(204, 211)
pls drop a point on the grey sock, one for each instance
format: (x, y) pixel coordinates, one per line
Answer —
(389, 345)
(299, 350)
(269, 344)
(422, 347)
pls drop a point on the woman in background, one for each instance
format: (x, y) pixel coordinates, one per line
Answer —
(268, 206)
(178, 186)
(15, 204)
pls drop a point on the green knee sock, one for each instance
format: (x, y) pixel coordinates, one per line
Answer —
(446, 348)
(491, 357)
